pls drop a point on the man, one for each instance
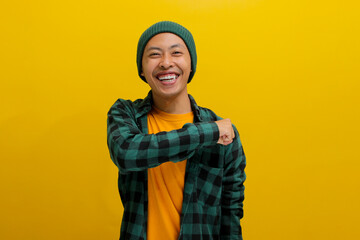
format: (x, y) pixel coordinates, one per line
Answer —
(181, 167)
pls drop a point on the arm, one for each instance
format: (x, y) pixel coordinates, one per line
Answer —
(233, 191)
(132, 150)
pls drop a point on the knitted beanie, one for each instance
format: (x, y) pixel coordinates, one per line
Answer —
(171, 27)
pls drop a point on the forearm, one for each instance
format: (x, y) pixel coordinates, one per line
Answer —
(132, 150)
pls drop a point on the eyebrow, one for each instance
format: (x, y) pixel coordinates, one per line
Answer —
(172, 46)
(153, 48)
(177, 45)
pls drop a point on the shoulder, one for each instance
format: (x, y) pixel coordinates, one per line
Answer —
(126, 105)
(125, 111)
(208, 115)
(204, 113)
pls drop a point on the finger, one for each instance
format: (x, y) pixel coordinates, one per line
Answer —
(227, 142)
(226, 138)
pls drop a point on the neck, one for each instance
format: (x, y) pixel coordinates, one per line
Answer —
(177, 105)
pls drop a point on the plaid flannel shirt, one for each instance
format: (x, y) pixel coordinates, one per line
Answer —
(213, 192)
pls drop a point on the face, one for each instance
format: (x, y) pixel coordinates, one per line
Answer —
(166, 65)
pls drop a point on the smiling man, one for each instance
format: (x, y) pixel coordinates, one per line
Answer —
(181, 167)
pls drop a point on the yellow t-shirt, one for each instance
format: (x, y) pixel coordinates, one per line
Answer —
(165, 182)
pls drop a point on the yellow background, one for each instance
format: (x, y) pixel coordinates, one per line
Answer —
(285, 72)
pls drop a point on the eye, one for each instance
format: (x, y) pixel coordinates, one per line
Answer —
(153, 54)
(177, 53)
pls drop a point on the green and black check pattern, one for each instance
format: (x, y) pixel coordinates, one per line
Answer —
(213, 191)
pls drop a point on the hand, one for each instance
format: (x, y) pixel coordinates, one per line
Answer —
(226, 131)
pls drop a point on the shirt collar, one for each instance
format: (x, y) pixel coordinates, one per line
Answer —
(146, 103)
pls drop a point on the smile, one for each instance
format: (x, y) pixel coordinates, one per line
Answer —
(168, 77)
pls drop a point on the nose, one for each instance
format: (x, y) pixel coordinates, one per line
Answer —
(166, 61)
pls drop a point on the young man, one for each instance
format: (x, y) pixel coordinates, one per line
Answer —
(181, 167)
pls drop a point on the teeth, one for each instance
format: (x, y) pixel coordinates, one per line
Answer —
(168, 77)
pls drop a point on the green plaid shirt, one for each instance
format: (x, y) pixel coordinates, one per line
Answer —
(213, 191)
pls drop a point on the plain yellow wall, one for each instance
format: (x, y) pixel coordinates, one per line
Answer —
(286, 73)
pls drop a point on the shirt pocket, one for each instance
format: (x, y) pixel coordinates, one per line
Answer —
(209, 185)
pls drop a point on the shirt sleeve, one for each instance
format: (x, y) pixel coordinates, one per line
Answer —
(233, 191)
(132, 150)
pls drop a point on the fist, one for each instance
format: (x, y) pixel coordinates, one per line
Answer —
(226, 131)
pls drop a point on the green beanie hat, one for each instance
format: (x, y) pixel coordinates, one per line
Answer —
(171, 27)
